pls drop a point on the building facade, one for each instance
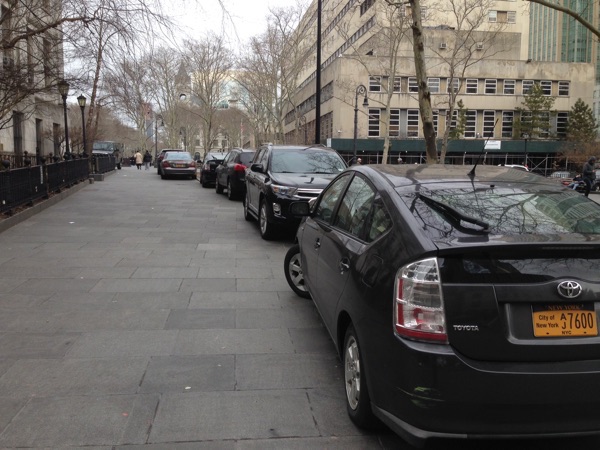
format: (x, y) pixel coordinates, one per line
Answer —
(488, 69)
(31, 108)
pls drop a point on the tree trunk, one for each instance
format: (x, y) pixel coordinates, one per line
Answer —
(424, 94)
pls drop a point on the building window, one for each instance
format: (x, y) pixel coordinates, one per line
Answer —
(452, 85)
(374, 115)
(436, 115)
(394, 122)
(412, 123)
(508, 118)
(502, 16)
(527, 85)
(562, 119)
(434, 85)
(490, 86)
(472, 86)
(545, 119)
(374, 84)
(397, 84)
(563, 88)
(471, 123)
(489, 120)
(510, 87)
(546, 86)
(365, 5)
(412, 85)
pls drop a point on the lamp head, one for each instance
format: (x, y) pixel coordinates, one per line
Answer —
(63, 88)
(81, 100)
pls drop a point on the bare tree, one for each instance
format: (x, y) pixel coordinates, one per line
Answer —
(209, 62)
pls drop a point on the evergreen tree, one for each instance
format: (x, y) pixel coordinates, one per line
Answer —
(582, 125)
(533, 119)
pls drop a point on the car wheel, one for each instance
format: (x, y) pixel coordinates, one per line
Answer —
(267, 229)
(162, 176)
(218, 187)
(230, 194)
(202, 182)
(247, 214)
(358, 401)
(293, 271)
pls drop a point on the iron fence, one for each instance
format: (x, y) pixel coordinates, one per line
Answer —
(25, 185)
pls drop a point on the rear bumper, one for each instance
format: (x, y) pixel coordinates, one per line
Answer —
(424, 391)
(171, 171)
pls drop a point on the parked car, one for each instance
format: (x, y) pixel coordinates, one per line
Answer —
(177, 164)
(458, 302)
(231, 173)
(161, 155)
(207, 173)
(281, 174)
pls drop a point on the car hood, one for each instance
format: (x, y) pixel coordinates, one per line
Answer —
(303, 180)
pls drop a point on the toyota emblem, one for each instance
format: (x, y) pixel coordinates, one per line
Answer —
(570, 289)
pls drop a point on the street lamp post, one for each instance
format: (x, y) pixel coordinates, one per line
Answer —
(63, 89)
(360, 90)
(81, 100)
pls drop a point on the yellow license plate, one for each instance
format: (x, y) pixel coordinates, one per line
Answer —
(564, 320)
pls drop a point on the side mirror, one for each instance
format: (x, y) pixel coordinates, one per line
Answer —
(256, 167)
(300, 209)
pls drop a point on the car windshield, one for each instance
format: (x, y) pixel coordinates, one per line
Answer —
(306, 161)
(216, 156)
(506, 211)
(178, 155)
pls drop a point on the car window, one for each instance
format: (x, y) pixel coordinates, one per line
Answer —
(330, 197)
(378, 221)
(264, 157)
(245, 158)
(355, 207)
(177, 155)
(306, 161)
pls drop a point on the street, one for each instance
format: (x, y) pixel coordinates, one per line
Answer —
(147, 313)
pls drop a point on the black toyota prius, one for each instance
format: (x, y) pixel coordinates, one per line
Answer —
(463, 301)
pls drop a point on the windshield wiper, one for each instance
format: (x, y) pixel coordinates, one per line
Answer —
(455, 217)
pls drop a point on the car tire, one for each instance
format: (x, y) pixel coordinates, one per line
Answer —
(247, 214)
(293, 271)
(230, 194)
(266, 228)
(203, 183)
(358, 400)
(218, 187)
(162, 176)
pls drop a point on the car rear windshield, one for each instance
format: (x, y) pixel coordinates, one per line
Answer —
(307, 161)
(177, 155)
(504, 210)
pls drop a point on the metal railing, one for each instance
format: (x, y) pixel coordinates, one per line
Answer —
(25, 185)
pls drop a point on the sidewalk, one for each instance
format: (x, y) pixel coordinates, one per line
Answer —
(142, 311)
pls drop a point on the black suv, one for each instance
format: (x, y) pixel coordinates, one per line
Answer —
(281, 174)
(231, 173)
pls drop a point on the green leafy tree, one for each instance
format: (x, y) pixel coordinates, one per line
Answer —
(533, 120)
(582, 125)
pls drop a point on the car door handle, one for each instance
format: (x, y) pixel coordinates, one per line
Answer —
(317, 243)
(344, 265)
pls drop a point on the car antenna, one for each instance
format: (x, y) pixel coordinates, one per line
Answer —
(472, 172)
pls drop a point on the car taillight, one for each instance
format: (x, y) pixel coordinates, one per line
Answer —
(418, 305)
(192, 164)
(165, 164)
(239, 168)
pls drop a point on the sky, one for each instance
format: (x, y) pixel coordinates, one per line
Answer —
(246, 17)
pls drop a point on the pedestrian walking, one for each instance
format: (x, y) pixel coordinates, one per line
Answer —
(588, 174)
(139, 158)
(147, 160)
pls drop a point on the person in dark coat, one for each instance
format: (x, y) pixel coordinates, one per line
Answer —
(589, 175)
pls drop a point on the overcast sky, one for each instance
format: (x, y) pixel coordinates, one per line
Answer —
(246, 17)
